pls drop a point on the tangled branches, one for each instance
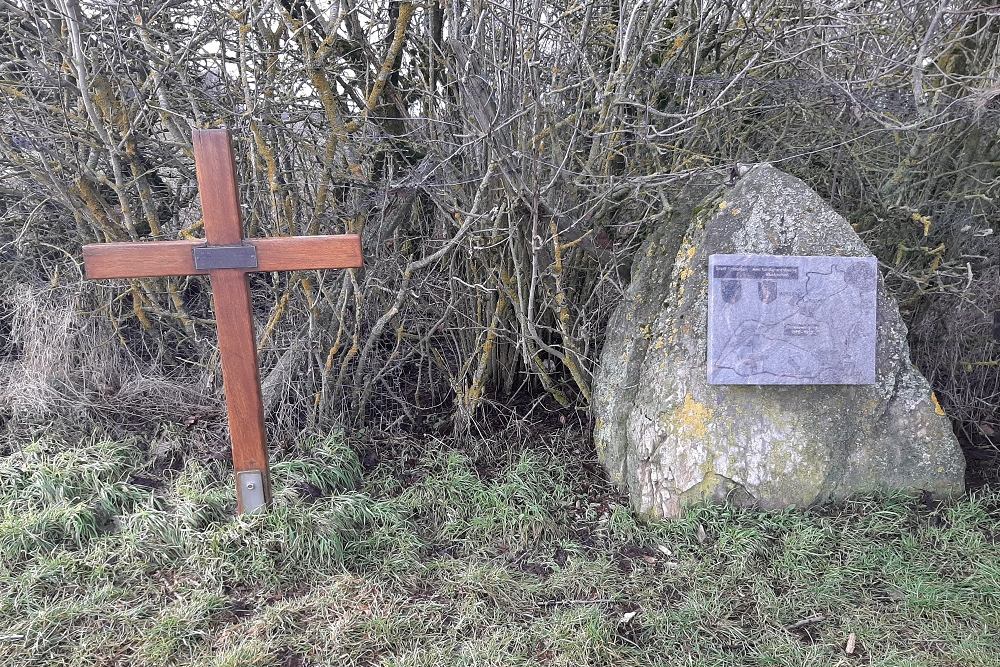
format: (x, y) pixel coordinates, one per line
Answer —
(501, 160)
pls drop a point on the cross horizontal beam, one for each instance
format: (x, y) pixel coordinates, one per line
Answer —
(176, 258)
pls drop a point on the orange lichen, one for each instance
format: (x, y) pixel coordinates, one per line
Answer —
(692, 418)
(937, 405)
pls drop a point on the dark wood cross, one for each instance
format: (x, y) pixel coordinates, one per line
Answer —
(226, 257)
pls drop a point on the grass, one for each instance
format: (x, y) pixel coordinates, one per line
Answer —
(456, 557)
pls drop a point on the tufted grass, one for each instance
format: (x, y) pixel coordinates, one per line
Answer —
(457, 558)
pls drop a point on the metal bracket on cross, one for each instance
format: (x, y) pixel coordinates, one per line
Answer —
(208, 257)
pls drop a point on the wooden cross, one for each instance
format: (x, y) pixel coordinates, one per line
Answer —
(226, 257)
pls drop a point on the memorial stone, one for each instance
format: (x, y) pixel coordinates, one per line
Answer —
(758, 358)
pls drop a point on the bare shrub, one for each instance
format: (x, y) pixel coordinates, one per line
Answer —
(502, 161)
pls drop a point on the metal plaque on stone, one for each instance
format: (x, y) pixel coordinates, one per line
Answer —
(785, 319)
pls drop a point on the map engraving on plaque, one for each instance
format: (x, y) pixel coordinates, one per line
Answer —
(790, 319)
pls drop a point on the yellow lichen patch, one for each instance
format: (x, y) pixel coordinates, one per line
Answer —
(659, 344)
(678, 44)
(937, 405)
(924, 220)
(684, 258)
(692, 418)
(723, 204)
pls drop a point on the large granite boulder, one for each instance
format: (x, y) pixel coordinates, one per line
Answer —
(672, 439)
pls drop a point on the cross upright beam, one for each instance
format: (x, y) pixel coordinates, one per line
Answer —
(226, 257)
(216, 172)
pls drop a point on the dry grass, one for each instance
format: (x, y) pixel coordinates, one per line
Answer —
(62, 360)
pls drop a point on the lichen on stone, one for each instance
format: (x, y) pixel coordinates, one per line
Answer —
(691, 418)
